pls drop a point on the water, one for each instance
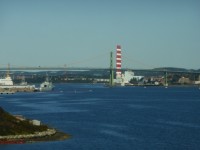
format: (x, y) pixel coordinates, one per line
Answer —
(122, 118)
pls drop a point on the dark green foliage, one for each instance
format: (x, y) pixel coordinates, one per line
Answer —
(134, 81)
(9, 125)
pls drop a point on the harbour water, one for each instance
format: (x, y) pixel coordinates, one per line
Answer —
(120, 118)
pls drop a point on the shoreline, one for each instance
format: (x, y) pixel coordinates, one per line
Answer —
(57, 136)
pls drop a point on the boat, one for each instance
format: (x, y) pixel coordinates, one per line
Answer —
(46, 85)
(7, 85)
(7, 81)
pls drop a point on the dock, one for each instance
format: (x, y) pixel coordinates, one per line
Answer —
(12, 90)
(7, 92)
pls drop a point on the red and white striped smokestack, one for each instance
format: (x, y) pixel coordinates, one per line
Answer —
(118, 62)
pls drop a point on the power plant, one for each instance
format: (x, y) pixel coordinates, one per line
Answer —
(122, 79)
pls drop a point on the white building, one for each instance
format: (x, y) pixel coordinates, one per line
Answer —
(128, 75)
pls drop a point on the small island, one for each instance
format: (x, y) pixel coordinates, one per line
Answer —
(18, 130)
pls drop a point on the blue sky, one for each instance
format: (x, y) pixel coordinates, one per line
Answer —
(152, 33)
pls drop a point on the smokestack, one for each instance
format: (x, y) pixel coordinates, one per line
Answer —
(118, 62)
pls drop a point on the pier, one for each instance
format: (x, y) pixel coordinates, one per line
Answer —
(6, 92)
(13, 90)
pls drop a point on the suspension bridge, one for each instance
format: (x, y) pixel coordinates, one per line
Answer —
(118, 68)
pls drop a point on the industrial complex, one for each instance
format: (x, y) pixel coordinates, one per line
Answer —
(13, 79)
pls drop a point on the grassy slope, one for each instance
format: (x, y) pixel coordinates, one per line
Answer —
(9, 125)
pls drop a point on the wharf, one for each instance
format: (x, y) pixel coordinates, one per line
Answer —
(13, 90)
(6, 92)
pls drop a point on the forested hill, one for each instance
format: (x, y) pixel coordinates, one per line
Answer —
(10, 125)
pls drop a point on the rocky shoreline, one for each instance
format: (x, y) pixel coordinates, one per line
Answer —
(45, 136)
(58, 136)
(49, 132)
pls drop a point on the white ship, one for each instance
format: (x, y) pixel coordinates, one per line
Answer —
(8, 85)
(46, 85)
(7, 81)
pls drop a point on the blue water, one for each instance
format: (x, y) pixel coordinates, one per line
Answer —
(121, 118)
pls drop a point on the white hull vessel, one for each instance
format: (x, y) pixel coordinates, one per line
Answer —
(6, 84)
(46, 86)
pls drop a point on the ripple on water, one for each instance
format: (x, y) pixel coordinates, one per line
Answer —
(116, 134)
(177, 123)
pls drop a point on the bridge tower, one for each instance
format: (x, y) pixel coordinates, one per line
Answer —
(166, 82)
(8, 71)
(111, 82)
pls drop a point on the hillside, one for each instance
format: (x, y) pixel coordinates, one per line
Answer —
(9, 125)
